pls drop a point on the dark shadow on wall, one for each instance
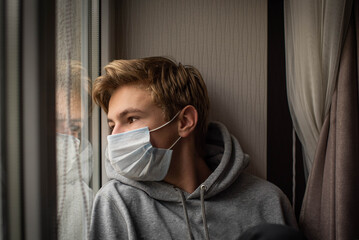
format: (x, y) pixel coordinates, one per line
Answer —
(279, 122)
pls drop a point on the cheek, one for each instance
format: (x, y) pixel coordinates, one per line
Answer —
(156, 140)
(164, 138)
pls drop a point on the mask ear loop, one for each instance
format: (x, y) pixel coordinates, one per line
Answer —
(166, 124)
(175, 143)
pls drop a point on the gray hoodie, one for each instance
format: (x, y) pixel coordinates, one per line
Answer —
(227, 203)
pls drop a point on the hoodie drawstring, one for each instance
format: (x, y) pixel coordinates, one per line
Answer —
(203, 189)
(186, 215)
(205, 227)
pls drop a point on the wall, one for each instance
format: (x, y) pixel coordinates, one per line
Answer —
(225, 40)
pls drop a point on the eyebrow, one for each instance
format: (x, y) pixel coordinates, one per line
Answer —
(125, 112)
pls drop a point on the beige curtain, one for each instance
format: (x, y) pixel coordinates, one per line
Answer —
(314, 31)
(330, 207)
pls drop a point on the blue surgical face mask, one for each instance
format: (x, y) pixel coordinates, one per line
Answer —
(132, 155)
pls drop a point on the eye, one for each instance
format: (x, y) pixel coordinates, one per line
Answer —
(132, 119)
(111, 127)
(75, 127)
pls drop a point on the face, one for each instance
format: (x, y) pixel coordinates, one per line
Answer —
(131, 107)
(61, 115)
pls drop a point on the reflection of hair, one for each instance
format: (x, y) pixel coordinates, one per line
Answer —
(173, 86)
(78, 76)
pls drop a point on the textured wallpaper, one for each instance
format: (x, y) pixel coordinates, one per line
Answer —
(226, 40)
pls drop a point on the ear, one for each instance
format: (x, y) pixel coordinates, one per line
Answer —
(187, 121)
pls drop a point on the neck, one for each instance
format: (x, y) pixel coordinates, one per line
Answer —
(187, 170)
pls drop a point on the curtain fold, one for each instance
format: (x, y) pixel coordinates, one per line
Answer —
(313, 36)
(329, 209)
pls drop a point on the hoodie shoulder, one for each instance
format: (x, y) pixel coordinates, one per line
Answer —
(108, 220)
(115, 189)
(257, 184)
(267, 196)
(111, 211)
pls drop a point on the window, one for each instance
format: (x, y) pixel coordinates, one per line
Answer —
(50, 132)
(77, 62)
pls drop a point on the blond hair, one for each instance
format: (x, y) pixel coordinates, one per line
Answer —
(76, 81)
(172, 86)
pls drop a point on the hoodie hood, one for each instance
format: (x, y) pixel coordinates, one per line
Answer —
(224, 156)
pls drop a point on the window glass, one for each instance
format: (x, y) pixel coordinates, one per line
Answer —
(74, 134)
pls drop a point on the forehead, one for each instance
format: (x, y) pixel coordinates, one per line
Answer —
(61, 105)
(130, 97)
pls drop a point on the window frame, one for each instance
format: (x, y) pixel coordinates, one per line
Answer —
(28, 208)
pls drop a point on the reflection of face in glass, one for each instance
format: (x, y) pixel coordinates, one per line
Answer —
(74, 151)
(71, 87)
(67, 159)
(74, 125)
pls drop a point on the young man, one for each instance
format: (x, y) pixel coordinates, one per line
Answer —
(173, 176)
